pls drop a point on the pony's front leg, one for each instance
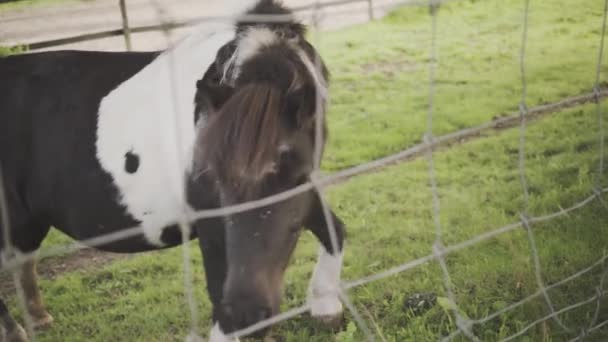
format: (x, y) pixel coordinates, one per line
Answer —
(213, 247)
(324, 288)
(10, 330)
(28, 278)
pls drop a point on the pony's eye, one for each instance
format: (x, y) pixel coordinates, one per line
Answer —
(292, 105)
(303, 179)
(288, 156)
(291, 112)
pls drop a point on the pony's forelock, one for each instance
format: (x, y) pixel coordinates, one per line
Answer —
(239, 143)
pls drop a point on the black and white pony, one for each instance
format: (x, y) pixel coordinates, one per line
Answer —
(93, 143)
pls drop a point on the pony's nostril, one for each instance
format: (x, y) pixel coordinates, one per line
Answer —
(243, 316)
(228, 310)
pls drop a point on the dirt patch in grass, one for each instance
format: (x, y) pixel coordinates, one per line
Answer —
(390, 68)
(50, 268)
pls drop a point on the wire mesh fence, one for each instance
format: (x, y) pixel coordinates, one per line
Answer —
(427, 147)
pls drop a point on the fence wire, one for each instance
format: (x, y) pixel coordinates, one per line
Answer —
(185, 221)
(319, 183)
(302, 11)
(461, 322)
(596, 89)
(522, 166)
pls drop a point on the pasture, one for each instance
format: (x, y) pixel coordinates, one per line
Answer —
(21, 4)
(379, 103)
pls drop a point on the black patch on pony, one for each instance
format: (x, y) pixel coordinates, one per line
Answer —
(131, 162)
(172, 235)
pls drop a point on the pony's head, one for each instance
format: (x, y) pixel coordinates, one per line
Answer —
(257, 110)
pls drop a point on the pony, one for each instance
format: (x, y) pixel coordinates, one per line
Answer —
(93, 143)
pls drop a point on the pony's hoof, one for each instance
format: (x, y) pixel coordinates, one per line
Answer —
(16, 335)
(217, 335)
(328, 311)
(325, 306)
(333, 323)
(44, 322)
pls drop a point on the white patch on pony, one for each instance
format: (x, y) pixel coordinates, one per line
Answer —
(217, 335)
(152, 115)
(252, 40)
(323, 292)
(248, 44)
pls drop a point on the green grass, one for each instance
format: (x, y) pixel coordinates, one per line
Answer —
(390, 222)
(379, 106)
(22, 4)
(6, 51)
(381, 71)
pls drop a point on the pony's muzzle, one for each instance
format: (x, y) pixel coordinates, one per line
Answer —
(244, 312)
(249, 296)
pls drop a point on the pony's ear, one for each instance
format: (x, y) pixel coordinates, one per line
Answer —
(211, 91)
(225, 55)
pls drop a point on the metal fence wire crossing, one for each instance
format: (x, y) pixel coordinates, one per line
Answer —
(320, 182)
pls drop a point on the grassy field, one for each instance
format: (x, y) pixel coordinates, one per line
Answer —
(5, 51)
(379, 104)
(23, 4)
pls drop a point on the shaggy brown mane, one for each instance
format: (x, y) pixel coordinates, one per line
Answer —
(241, 139)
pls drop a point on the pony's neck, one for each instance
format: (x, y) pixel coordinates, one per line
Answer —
(153, 112)
(172, 88)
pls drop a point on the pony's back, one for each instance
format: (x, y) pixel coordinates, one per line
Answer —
(31, 83)
(40, 90)
(48, 106)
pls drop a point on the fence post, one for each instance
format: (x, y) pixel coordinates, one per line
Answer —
(125, 24)
(370, 8)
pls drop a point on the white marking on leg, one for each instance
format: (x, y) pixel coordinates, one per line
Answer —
(217, 335)
(324, 289)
